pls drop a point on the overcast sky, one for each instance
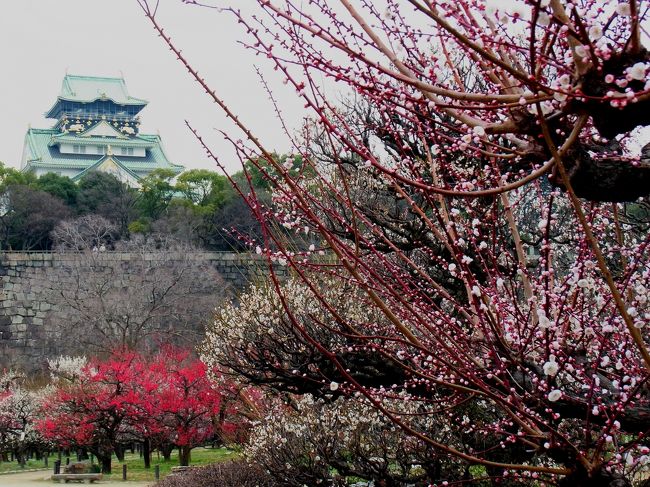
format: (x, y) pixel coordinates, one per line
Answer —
(42, 39)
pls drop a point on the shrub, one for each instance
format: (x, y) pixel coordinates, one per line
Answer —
(227, 474)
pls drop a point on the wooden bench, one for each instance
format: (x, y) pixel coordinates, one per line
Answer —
(86, 478)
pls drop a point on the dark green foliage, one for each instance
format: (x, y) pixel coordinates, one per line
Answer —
(257, 170)
(105, 195)
(156, 192)
(12, 177)
(220, 229)
(96, 190)
(60, 186)
(28, 217)
(181, 220)
(204, 188)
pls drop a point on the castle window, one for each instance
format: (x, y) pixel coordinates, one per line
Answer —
(127, 151)
(101, 149)
(79, 149)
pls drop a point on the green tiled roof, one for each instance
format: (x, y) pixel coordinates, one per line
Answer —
(90, 88)
(42, 154)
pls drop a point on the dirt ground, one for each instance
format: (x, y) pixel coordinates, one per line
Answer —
(42, 478)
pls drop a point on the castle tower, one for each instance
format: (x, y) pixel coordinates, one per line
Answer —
(97, 128)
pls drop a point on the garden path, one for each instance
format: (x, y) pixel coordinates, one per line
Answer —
(42, 478)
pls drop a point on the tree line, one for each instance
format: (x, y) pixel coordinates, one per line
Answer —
(160, 401)
(199, 208)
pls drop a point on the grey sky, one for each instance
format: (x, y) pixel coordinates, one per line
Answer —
(40, 39)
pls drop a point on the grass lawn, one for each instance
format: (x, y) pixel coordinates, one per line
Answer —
(135, 465)
(30, 464)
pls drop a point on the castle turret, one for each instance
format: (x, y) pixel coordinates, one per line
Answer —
(92, 114)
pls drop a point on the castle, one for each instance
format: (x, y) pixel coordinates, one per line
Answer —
(97, 128)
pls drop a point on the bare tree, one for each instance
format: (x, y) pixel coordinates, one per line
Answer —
(134, 299)
(84, 233)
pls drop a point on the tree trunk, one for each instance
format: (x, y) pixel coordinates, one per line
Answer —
(105, 462)
(146, 452)
(119, 452)
(166, 451)
(184, 455)
(610, 179)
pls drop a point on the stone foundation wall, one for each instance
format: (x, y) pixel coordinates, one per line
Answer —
(27, 281)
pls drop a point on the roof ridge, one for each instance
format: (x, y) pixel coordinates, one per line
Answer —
(94, 77)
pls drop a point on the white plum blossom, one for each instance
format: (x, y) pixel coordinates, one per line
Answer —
(554, 395)
(595, 32)
(479, 131)
(66, 368)
(560, 96)
(551, 367)
(582, 51)
(348, 430)
(544, 19)
(637, 71)
(623, 9)
(543, 320)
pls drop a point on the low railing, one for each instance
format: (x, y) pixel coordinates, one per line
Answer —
(99, 116)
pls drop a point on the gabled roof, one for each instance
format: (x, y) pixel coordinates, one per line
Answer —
(107, 160)
(87, 89)
(42, 153)
(103, 129)
(90, 88)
